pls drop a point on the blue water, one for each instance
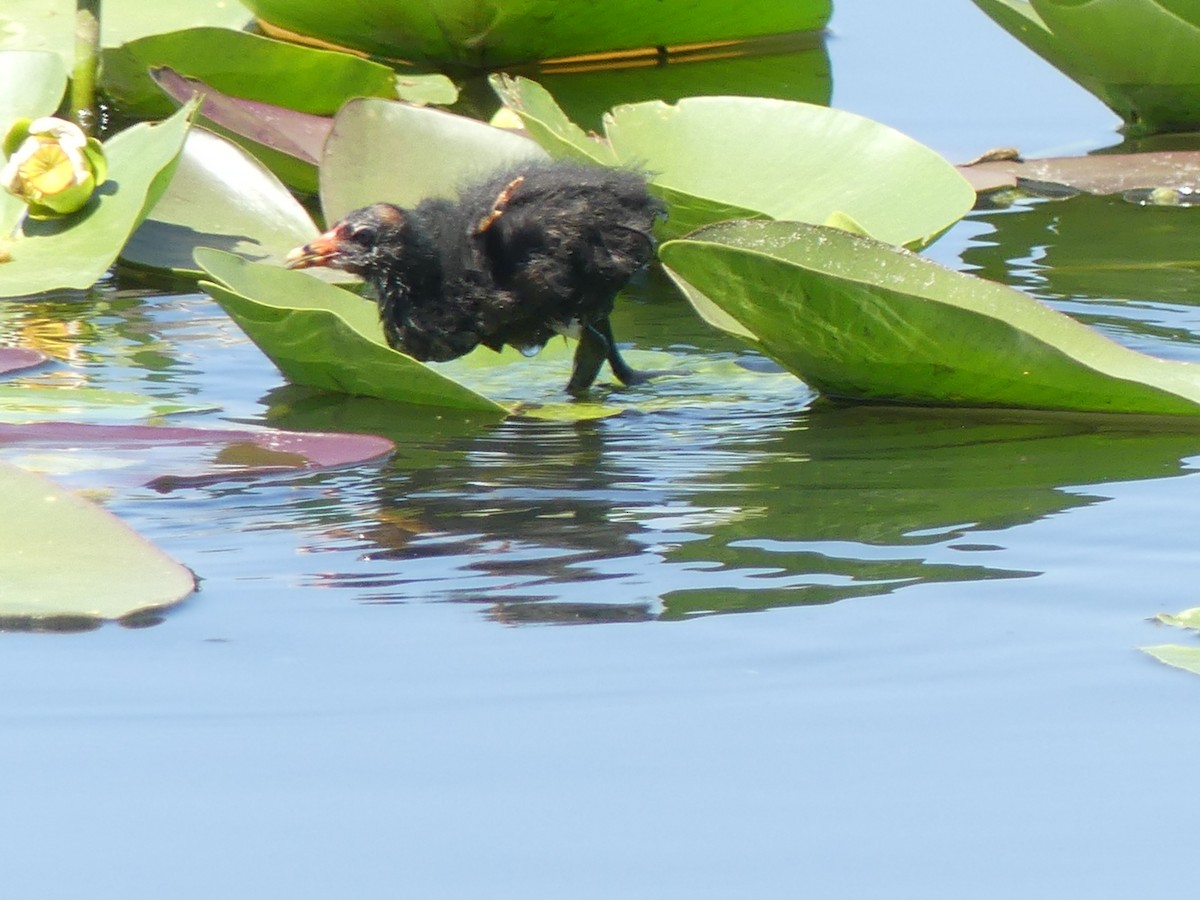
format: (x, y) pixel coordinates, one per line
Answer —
(816, 653)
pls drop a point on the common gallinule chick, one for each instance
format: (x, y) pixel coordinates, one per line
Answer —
(533, 251)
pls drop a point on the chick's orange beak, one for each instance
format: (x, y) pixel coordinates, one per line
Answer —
(320, 251)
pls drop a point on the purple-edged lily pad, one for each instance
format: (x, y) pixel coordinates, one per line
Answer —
(192, 455)
(298, 134)
(1102, 173)
(14, 359)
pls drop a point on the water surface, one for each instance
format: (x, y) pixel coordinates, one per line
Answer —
(817, 651)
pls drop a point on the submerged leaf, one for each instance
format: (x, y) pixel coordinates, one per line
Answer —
(858, 319)
(31, 402)
(64, 556)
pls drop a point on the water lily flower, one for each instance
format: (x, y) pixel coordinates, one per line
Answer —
(52, 165)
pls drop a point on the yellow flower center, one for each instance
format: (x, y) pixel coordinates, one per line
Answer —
(48, 171)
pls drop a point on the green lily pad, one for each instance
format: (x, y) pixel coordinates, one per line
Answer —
(1140, 57)
(50, 24)
(764, 157)
(43, 80)
(29, 402)
(244, 65)
(1181, 657)
(858, 319)
(66, 557)
(219, 197)
(502, 32)
(1177, 656)
(326, 337)
(388, 151)
(46, 79)
(791, 67)
(1189, 618)
(75, 251)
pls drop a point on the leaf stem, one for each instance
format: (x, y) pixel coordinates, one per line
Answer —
(87, 55)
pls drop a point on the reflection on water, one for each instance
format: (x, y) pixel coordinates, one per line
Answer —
(724, 491)
(1128, 269)
(667, 517)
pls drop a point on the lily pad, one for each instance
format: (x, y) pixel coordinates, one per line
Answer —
(64, 556)
(14, 359)
(244, 65)
(1101, 173)
(1140, 57)
(1181, 657)
(858, 319)
(288, 142)
(191, 456)
(388, 151)
(326, 337)
(49, 25)
(42, 78)
(765, 157)
(219, 197)
(30, 402)
(75, 251)
(502, 32)
(791, 66)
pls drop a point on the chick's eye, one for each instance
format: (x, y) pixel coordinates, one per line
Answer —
(362, 234)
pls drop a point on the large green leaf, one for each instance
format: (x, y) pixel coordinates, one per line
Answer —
(790, 67)
(1141, 57)
(50, 24)
(387, 151)
(75, 251)
(858, 319)
(326, 337)
(66, 557)
(42, 79)
(244, 65)
(220, 197)
(713, 156)
(491, 33)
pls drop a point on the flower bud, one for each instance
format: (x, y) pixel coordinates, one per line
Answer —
(52, 165)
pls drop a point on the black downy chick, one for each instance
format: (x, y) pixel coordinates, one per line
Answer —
(533, 251)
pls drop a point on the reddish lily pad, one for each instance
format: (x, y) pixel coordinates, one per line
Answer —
(14, 359)
(1104, 173)
(288, 142)
(196, 455)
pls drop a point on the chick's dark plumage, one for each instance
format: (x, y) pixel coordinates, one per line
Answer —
(518, 257)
